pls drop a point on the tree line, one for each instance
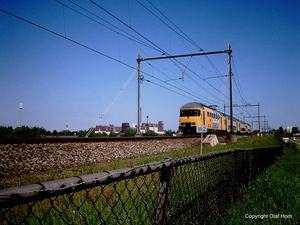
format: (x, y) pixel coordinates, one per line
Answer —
(288, 133)
(26, 132)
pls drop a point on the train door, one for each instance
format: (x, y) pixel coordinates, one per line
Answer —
(203, 117)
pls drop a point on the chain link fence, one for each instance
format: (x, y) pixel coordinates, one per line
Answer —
(192, 190)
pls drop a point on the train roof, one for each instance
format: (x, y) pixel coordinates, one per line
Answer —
(193, 105)
(197, 105)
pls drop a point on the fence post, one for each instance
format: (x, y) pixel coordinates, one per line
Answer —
(256, 163)
(163, 195)
(234, 176)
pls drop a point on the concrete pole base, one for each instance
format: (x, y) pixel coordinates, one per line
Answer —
(232, 138)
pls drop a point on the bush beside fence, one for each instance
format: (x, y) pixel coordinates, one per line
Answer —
(191, 190)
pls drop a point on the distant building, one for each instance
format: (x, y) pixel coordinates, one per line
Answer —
(125, 126)
(157, 128)
(107, 129)
(161, 126)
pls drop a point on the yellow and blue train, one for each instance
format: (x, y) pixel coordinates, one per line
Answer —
(194, 114)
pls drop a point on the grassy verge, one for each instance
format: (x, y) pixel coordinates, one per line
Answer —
(274, 198)
(83, 169)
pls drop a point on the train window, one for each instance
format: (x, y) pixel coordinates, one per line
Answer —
(190, 112)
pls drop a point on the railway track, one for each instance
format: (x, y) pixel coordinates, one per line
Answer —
(35, 155)
(85, 139)
(72, 139)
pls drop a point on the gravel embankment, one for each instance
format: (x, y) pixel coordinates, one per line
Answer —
(32, 158)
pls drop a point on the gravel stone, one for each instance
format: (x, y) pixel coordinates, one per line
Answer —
(33, 158)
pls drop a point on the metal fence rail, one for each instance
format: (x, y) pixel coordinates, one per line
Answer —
(191, 190)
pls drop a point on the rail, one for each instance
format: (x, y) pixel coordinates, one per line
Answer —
(191, 190)
(76, 139)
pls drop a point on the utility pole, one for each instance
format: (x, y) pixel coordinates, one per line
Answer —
(232, 137)
(258, 118)
(138, 131)
(245, 106)
(264, 122)
(259, 121)
(20, 107)
(230, 89)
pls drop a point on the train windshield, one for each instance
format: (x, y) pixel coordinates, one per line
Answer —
(190, 112)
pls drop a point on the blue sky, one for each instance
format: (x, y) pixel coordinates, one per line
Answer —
(71, 67)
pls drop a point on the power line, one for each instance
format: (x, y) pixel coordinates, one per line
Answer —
(238, 85)
(118, 31)
(186, 36)
(69, 39)
(197, 95)
(99, 6)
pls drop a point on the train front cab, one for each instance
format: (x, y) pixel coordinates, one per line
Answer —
(189, 120)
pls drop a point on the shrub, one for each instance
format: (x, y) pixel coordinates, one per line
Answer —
(25, 131)
(150, 133)
(113, 134)
(169, 133)
(129, 133)
(6, 132)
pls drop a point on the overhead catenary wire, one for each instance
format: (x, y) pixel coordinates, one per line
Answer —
(156, 78)
(112, 28)
(180, 83)
(182, 35)
(186, 37)
(130, 27)
(69, 39)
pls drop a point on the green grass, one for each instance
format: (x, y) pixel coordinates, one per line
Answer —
(274, 197)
